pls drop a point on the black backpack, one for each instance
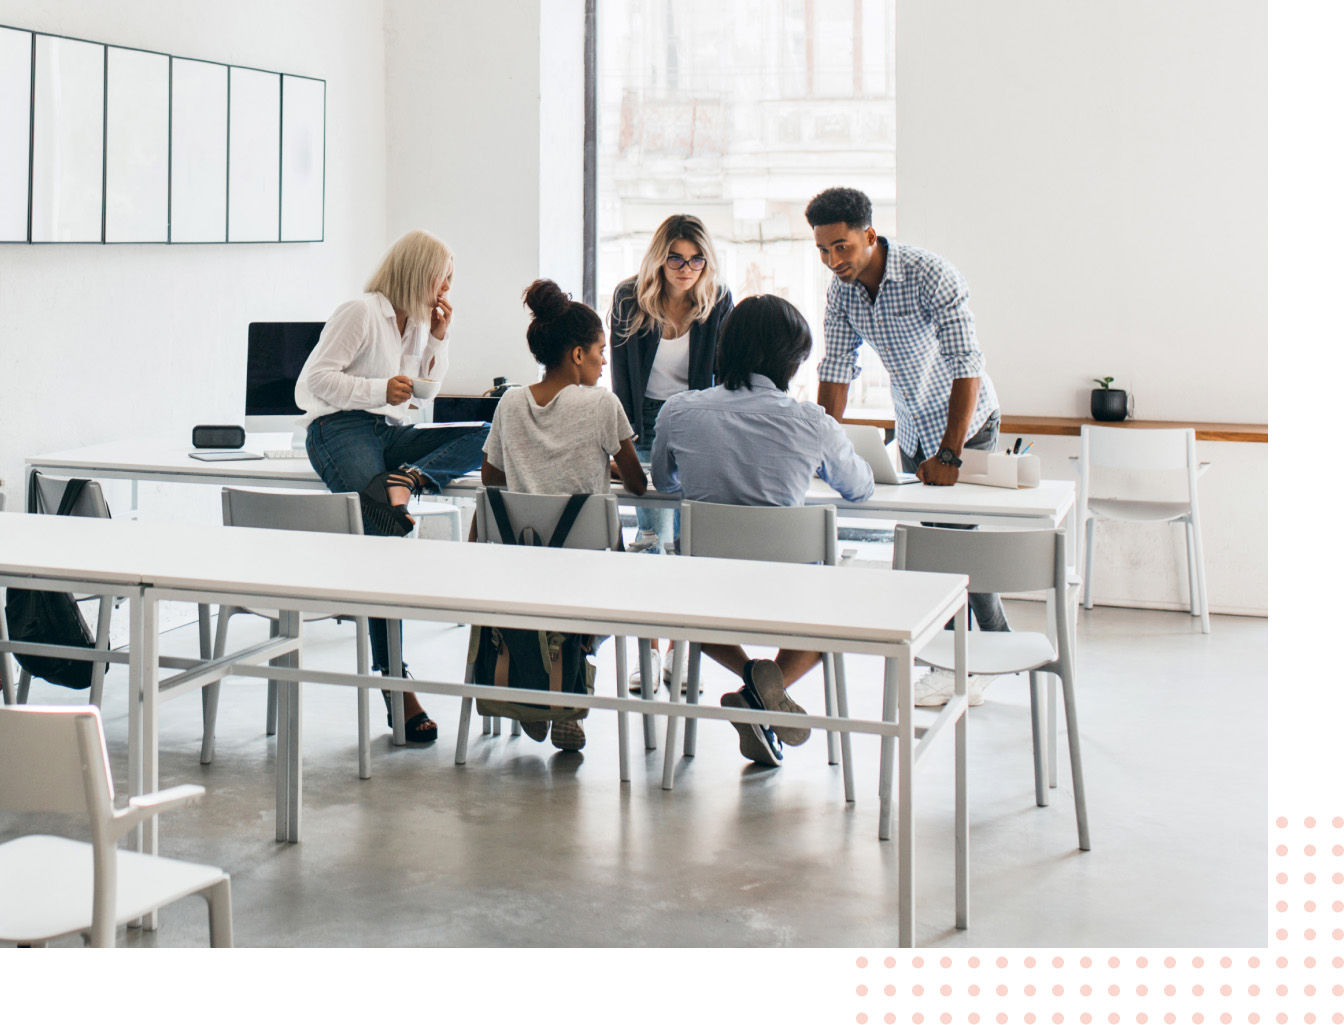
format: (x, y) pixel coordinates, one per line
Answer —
(51, 617)
(543, 660)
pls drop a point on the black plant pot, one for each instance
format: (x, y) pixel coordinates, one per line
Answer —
(1109, 404)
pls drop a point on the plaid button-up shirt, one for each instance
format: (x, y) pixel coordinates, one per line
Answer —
(923, 329)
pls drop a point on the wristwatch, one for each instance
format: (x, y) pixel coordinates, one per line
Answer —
(948, 458)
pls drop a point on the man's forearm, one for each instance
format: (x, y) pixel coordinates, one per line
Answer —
(960, 409)
(833, 397)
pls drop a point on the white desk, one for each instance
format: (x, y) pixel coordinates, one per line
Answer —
(1049, 505)
(706, 600)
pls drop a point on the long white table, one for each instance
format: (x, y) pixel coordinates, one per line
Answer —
(164, 461)
(812, 607)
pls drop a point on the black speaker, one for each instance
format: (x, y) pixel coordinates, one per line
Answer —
(218, 436)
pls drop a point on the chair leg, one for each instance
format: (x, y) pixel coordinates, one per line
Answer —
(210, 692)
(6, 667)
(516, 730)
(842, 709)
(1038, 739)
(646, 692)
(272, 693)
(1199, 574)
(464, 719)
(673, 721)
(622, 718)
(1075, 758)
(219, 903)
(832, 736)
(101, 642)
(1052, 730)
(692, 696)
(203, 629)
(1087, 568)
(1189, 538)
(362, 666)
(25, 679)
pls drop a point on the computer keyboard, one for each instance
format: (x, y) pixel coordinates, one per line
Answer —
(286, 453)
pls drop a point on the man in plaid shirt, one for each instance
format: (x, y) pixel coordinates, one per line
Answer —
(911, 306)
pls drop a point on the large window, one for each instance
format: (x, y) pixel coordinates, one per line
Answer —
(739, 112)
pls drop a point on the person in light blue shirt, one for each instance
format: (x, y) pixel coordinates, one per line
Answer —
(746, 442)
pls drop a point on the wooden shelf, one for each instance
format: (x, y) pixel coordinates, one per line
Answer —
(1069, 425)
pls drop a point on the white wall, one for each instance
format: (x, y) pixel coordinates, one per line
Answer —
(467, 161)
(1098, 172)
(101, 342)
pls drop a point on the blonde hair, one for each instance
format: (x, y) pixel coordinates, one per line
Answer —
(410, 272)
(651, 284)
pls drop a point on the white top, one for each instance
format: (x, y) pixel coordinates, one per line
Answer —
(561, 448)
(671, 370)
(359, 350)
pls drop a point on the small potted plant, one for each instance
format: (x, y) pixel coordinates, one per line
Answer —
(1109, 403)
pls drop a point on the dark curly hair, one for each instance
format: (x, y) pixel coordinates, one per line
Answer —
(840, 206)
(763, 335)
(558, 323)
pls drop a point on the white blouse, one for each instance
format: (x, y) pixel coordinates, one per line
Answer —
(359, 349)
(671, 370)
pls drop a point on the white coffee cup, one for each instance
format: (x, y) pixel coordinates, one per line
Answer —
(423, 387)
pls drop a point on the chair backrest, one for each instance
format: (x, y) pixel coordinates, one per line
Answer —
(765, 533)
(597, 527)
(1136, 448)
(54, 759)
(293, 510)
(91, 502)
(993, 560)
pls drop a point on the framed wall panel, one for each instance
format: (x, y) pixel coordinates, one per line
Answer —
(200, 151)
(137, 146)
(254, 155)
(67, 159)
(302, 158)
(16, 112)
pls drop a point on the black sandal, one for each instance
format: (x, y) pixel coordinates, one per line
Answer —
(415, 733)
(388, 519)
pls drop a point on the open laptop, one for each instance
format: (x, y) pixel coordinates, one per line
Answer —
(868, 443)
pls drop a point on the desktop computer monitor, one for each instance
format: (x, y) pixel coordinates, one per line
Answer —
(275, 355)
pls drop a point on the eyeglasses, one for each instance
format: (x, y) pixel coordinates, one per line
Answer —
(675, 262)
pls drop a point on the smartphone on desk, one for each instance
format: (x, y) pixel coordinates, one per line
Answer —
(221, 455)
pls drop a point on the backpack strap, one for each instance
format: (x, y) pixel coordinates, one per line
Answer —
(566, 523)
(501, 516)
(73, 489)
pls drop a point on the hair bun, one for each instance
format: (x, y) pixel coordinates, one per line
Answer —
(547, 303)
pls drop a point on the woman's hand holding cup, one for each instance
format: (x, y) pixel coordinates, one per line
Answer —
(398, 389)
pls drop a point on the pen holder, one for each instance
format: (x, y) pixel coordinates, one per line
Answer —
(999, 470)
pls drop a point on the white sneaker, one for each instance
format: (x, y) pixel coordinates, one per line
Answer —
(685, 668)
(936, 687)
(637, 681)
(647, 541)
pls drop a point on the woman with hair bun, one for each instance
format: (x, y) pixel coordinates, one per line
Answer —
(558, 436)
(665, 324)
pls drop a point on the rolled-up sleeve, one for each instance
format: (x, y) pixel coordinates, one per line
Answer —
(946, 301)
(841, 467)
(345, 334)
(841, 362)
(666, 479)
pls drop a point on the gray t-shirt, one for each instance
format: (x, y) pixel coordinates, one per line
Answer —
(561, 448)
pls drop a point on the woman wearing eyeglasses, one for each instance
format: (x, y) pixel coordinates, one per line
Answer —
(665, 325)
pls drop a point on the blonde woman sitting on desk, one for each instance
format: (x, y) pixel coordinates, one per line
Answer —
(356, 389)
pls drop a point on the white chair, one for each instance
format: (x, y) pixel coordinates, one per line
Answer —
(797, 534)
(54, 759)
(289, 510)
(46, 498)
(1017, 561)
(1153, 451)
(597, 527)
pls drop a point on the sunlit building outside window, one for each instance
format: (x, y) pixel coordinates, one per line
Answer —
(739, 111)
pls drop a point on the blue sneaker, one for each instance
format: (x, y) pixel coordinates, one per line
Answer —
(757, 743)
(763, 684)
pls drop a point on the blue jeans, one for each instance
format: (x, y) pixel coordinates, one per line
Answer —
(657, 521)
(349, 449)
(988, 609)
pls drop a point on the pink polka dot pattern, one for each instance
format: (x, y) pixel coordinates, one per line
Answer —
(1295, 980)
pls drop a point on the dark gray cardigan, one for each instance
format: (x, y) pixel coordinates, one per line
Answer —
(632, 355)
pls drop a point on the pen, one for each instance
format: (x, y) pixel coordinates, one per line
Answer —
(1028, 448)
(1017, 445)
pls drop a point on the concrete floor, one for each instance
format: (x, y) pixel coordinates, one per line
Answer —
(527, 846)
